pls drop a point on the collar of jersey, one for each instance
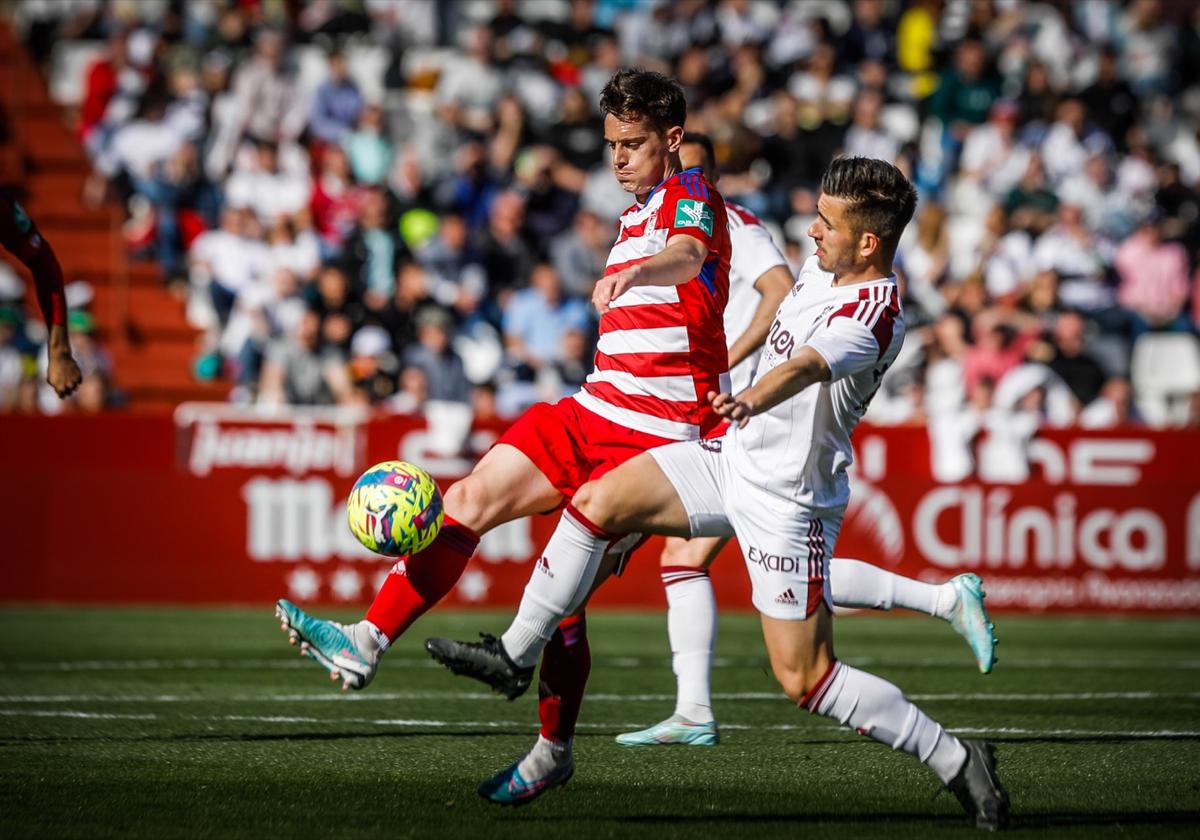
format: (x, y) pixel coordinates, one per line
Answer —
(650, 195)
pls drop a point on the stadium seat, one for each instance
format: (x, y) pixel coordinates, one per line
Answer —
(1165, 373)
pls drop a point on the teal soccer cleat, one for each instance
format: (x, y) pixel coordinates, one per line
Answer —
(508, 787)
(970, 620)
(347, 652)
(674, 730)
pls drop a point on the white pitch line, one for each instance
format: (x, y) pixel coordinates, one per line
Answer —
(622, 662)
(72, 714)
(498, 724)
(338, 697)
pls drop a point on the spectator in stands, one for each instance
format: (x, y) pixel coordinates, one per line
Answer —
(579, 255)
(1071, 140)
(336, 103)
(507, 253)
(227, 260)
(336, 201)
(298, 371)
(456, 275)
(338, 308)
(370, 153)
(1154, 280)
(537, 320)
(271, 181)
(374, 367)
(1069, 359)
(436, 359)
(374, 250)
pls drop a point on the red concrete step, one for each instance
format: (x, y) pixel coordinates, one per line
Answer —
(149, 313)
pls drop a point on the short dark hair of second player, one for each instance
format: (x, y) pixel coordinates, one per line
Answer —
(881, 200)
(704, 142)
(638, 94)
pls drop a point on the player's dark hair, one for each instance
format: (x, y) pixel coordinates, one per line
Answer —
(704, 142)
(637, 94)
(881, 200)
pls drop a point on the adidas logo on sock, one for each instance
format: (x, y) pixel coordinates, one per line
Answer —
(544, 565)
(787, 597)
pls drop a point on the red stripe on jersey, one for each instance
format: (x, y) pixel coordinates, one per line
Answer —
(632, 232)
(667, 410)
(743, 214)
(643, 316)
(647, 364)
(876, 309)
(615, 267)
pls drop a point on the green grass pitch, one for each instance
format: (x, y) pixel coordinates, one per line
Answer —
(197, 723)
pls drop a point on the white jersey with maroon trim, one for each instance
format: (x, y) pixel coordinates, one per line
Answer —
(662, 348)
(800, 449)
(754, 254)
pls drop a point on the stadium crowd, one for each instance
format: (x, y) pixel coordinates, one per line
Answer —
(406, 203)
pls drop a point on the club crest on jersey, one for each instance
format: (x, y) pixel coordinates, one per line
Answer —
(692, 213)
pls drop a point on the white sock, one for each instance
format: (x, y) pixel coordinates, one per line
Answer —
(880, 710)
(692, 631)
(858, 584)
(545, 756)
(560, 581)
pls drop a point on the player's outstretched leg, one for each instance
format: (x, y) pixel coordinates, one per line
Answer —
(692, 633)
(958, 601)
(801, 653)
(504, 485)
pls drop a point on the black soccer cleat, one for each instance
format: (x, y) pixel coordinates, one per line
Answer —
(978, 787)
(485, 661)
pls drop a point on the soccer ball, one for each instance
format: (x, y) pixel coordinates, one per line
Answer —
(395, 508)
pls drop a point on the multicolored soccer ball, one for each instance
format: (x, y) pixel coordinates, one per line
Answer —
(395, 508)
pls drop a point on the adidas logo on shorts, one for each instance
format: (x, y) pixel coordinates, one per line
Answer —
(788, 598)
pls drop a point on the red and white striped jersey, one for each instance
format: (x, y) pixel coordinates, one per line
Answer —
(800, 449)
(662, 348)
(754, 254)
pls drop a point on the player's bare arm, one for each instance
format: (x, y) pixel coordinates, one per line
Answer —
(806, 368)
(773, 285)
(677, 263)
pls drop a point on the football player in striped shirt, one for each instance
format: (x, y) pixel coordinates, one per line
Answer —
(661, 350)
(778, 482)
(759, 280)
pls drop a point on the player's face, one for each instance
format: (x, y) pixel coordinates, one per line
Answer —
(640, 154)
(837, 243)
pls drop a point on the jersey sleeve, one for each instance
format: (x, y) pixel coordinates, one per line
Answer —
(855, 336)
(20, 235)
(689, 208)
(754, 251)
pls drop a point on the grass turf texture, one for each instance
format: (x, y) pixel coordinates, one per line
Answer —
(190, 723)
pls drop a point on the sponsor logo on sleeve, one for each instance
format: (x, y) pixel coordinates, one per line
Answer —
(692, 213)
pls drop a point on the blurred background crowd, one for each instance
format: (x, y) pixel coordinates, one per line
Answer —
(399, 203)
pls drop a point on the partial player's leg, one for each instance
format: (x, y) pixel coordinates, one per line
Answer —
(636, 496)
(958, 601)
(505, 485)
(692, 632)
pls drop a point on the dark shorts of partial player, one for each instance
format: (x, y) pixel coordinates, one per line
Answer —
(572, 446)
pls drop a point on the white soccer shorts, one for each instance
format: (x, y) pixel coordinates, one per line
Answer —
(787, 548)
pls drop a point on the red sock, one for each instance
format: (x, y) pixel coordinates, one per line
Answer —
(566, 663)
(420, 581)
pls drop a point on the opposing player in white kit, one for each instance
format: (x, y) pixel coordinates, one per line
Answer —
(778, 482)
(759, 279)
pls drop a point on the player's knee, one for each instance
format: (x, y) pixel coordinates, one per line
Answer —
(466, 502)
(598, 502)
(796, 680)
(680, 552)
